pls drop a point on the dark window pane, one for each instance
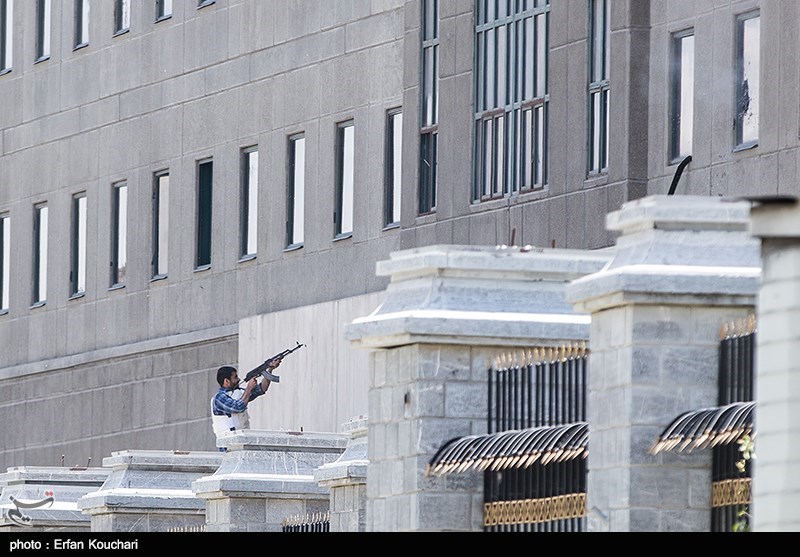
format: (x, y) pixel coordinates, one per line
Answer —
(204, 204)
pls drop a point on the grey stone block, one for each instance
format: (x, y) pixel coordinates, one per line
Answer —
(444, 512)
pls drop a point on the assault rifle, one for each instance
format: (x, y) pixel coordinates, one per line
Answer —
(264, 368)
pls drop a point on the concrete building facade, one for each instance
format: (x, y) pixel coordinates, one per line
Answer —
(134, 264)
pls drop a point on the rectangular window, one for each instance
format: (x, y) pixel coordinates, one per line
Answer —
(163, 9)
(249, 203)
(160, 225)
(119, 235)
(345, 161)
(42, 29)
(747, 79)
(39, 254)
(295, 206)
(205, 170)
(511, 88)
(77, 272)
(81, 23)
(6, 33)
(122, 16)
(599, 84)
(394, 160)
(430, 106)
(682, 105)
(5, 262)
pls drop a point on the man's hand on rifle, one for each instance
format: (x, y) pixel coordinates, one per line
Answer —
(274, 363)
(249, 389)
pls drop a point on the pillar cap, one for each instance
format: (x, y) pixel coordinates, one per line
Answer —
(775, 217)
(468, 295)
(685, 250)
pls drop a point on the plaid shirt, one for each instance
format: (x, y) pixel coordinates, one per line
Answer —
(224, 403)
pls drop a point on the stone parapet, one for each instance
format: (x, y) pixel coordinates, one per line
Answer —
(32, 485)
(266, 477)
(683, 267)
(150, 491)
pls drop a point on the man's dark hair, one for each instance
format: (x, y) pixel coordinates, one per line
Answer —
(223, 373)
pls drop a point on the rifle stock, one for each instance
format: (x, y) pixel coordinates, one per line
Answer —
(263, 368)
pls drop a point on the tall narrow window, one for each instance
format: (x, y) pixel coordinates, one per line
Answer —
(430, 106)
(682, 95)
(122, 16)
(512, 98)
(747, 79)
(599, 85)
(163, 9)
(295, 206)
(119, 235)
(345, 160)
(394, 161)
(249, 203)
(42, 29)
(39, 254)
(160, 225)
(5, 262)
(6, 33)
(77, 273)
(81, 23)
(204, 203)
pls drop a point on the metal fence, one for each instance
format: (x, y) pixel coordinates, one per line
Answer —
(530, 391)
(314, 522)
(730, 496)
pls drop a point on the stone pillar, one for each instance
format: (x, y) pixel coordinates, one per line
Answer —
(347, 481)
(684, 266)
(150, 491)
(267, 477)
(31, 484)
(448, 311)
(776, 477)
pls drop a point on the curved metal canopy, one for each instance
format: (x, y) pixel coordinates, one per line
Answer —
(511, 449)
(707, 427)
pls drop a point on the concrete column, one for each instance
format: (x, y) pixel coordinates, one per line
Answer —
(776, 481)
(38, 484)
(684, 266)
(346, 479)
(267, 477)
(150, 491)
(448, 312)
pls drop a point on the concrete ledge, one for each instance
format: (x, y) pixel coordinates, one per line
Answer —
(151, 481)
(274, 464)
(33, 484)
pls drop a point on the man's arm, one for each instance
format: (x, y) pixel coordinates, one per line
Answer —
(229, 405)
(261, 389)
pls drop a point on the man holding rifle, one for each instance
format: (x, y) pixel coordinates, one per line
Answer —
(229, 405)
